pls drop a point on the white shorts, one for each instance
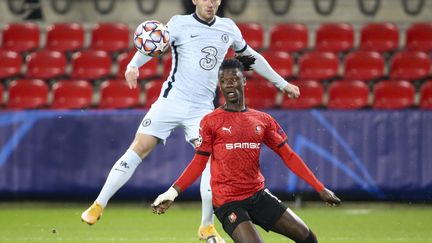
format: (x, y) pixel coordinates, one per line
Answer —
(166, 114)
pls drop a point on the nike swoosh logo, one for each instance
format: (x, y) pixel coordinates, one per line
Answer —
(120, 170)
(193, 36)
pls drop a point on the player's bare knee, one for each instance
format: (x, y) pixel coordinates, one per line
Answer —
(310, 238)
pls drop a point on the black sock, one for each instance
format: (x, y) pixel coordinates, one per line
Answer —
(310, 239)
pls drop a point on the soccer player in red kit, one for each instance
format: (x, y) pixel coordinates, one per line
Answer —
(233, 135)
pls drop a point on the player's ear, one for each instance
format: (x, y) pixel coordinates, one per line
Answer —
(194, 2)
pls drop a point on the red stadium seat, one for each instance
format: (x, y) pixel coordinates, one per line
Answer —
(410, 65)
(65, 37)
(10, 64)
(46, 64)
(259, 94)
(253, 33)
(419, 37)
(289, 37)
(21, 37)
(116, 94)
(334, 37)
(311, 95)
(147, 71)
(318, 66)
(110, 37)
(72, 94)
(352, 94)
(393, 95)
(364, 65)
(281, 62)
(27, 94)
(90, 65)
(380, 37)
(426, 95)
(152, 91)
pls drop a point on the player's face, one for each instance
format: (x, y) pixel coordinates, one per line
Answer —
(206, 9)
(232, 83)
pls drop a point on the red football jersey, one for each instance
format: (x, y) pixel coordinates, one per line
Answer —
(234, 140)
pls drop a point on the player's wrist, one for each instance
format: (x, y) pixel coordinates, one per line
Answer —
(172, 193)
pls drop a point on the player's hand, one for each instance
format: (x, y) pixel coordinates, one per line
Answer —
(161, 207)
(292, 91)
(164, 201)
(131, 76)
(329, 197)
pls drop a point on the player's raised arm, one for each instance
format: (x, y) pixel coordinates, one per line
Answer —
(132, 72)
(262, 67)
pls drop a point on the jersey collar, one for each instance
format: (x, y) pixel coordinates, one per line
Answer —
(223, 107)
(202, 21)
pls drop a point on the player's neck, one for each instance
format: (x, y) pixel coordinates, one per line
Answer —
(237, 107)
(203, 19)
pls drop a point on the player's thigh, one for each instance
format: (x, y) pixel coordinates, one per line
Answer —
(246, 232)
(231, 215)
(161, 119)
(266, 210)
(291, 226)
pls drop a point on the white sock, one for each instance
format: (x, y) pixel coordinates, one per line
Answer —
(206, 197)
(120, 173)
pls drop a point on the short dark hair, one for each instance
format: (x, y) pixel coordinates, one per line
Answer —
(244, 63)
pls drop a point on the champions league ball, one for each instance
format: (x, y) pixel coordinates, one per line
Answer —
(151, 38)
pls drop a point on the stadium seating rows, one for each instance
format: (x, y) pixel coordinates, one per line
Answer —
(289, 37)
(333, 73)
(115, 93)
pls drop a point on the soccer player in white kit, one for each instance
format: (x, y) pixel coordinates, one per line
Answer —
(199, 43)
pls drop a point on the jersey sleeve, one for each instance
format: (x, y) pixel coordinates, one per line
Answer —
(205, 140)
(274, 136)
(239, 43)
(172, 28)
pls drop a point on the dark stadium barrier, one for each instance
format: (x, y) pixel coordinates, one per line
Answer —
(368, 154)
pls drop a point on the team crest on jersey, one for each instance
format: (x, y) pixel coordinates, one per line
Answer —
(258, 130)
(146, 123)
(232, 217)
(225, 38)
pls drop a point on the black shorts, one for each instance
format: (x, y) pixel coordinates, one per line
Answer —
(263, 209)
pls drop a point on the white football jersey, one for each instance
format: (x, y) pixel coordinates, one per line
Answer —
(198, 49)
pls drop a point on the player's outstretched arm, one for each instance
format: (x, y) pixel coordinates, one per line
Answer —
(297, 165)
(329, 197)
(262, 67)
(132, 72)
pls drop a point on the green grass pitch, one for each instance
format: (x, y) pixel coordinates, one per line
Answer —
(134, 222)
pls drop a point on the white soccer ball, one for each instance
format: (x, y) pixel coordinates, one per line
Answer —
(151, 38)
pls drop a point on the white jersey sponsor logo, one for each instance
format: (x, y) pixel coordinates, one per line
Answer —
(230, 146)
